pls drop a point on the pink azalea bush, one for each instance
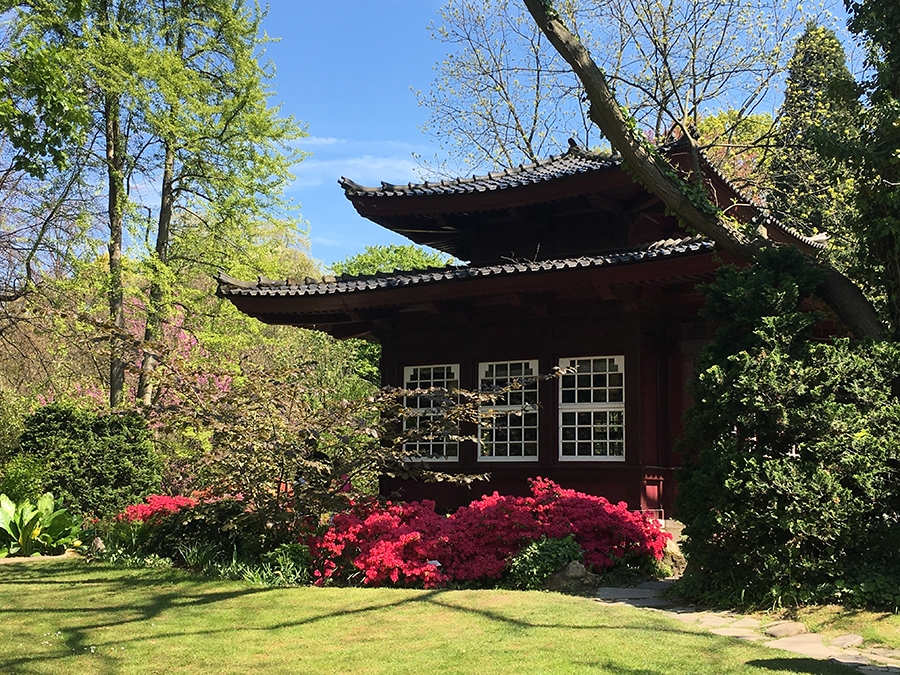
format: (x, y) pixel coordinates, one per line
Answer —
(377, 545)
(411, 545)
(156, 505)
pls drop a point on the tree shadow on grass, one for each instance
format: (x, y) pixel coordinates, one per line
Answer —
(813, 666)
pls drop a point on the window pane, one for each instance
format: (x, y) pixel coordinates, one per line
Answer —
(432, 442)
(513, 417)
(591, 420)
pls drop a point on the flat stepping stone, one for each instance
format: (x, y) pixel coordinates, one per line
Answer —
(742, 633)
(808, 644)
(883, 651)
(783, 629)
(881, 658)
(649, 602)
(746, 622)
(685, 617)
(851, 659)
(715, 621)
(844, 641)
(874, 670)
(659, 585)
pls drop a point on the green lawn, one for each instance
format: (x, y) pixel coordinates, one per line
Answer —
(66, 616)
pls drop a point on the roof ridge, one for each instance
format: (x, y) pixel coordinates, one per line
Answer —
(537, 168)
(348, 283)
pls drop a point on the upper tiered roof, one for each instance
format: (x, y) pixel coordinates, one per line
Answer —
(576, 203)
(575, 161)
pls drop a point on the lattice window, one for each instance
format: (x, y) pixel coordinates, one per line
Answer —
(431, 446)
(511, 433)
(592, 408)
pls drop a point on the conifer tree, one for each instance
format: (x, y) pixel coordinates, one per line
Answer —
(811, 191)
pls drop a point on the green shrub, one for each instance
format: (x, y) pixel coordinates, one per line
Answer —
(290, 564)
(24, 478)
(13, 410)
(789, 494)
(98, 464)
(35, 528)
(221, 530)
(530, 568)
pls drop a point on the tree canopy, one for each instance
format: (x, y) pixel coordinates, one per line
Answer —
(504, 95)
(172, 99)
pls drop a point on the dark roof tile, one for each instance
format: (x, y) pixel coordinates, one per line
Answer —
(385, 280)
(573, 162)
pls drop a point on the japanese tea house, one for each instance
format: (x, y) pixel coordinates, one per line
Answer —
(571, 264)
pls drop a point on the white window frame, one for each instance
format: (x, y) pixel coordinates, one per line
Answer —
(520, 406)
(592, 418)
(445, 382)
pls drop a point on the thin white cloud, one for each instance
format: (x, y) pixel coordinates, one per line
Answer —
(364, 169)
(323, 241)
(319, 140)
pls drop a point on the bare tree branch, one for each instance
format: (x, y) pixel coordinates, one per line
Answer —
(841, 294)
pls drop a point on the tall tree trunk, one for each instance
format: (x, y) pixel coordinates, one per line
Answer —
(115, 162)
(841, 294)
(156, 309)
(173, 37)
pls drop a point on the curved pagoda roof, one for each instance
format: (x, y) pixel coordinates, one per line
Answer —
(576, 203)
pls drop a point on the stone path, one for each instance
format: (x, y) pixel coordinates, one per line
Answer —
(790, 636)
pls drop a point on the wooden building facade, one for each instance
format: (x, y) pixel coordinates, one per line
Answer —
(571, 265)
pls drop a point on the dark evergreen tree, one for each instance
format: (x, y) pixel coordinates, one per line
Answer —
(789, 490)
(811, 191)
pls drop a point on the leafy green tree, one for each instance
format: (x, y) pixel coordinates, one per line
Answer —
(390, 258)
(736, 144)
(176, 96)
(873, 153)
(224, 152)
(40, 103)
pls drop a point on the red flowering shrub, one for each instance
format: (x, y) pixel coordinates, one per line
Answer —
(395, 544)
(606, 532)
(157, 505)
(486, 533)
(399, 543)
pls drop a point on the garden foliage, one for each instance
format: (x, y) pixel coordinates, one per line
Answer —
(789, 492)
(35, 528)
(497, 540)
(534, 564)
(97, 464)
(410, 544)
(225, 528)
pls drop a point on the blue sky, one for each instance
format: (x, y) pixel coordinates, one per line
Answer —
(346, 70)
